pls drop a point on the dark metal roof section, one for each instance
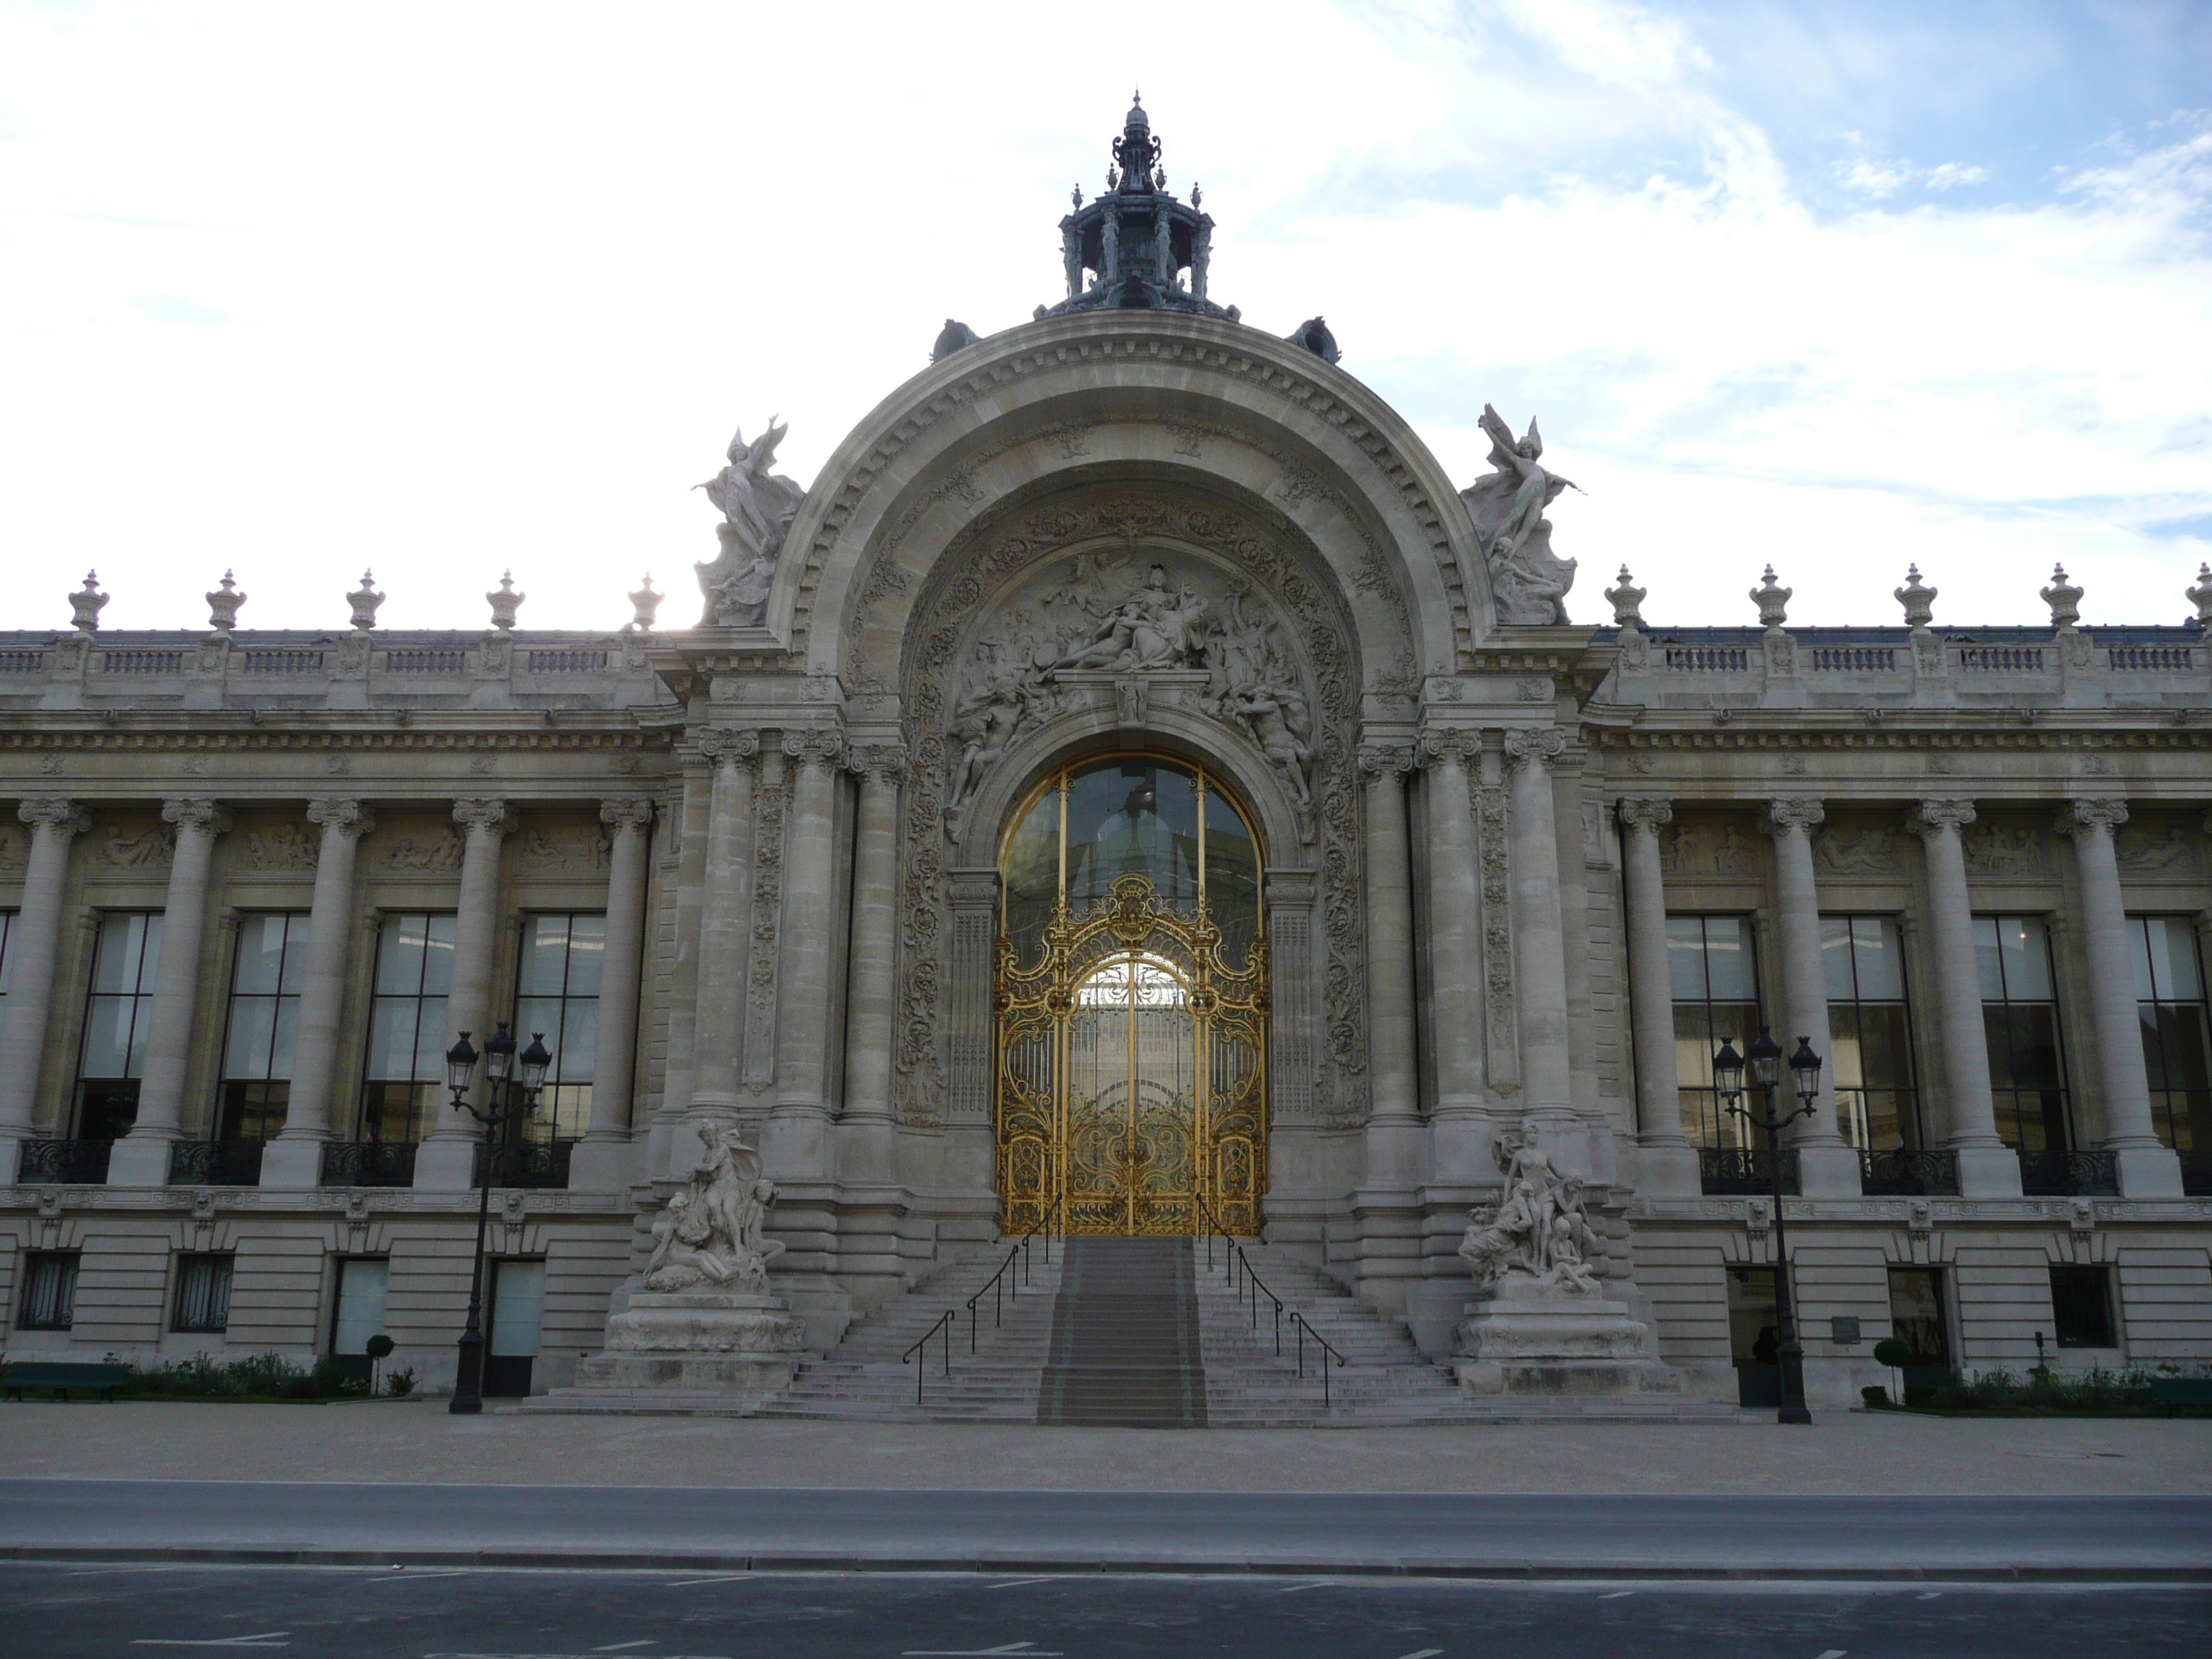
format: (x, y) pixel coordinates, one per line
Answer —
(1134, 248)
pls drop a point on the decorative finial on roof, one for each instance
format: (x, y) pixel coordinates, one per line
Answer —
(364, 600)
(223, 604)
(1773, 600)
(2201, 595)
(1917, 598)
(505, 602)
(2064, 598)
(85, 604)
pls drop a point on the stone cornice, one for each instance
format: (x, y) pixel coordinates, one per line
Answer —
(1813, 730)
(216, 735)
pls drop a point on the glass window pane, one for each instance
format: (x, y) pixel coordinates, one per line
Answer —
(1989, 958)
(1885, 1054)
(399, 956)
(361, 1305)
(2172, 953)
(1232, 878)
(437, 955)
(1136, 816)
(1032, 875)
(287, 1037)
(545, 955)
(2140, 931)
(1728, 959)
(587, 950)
(260, 953)
(253, 1023)
(538, 1016)
(1878, 955)
(297, 934)
(115, 961)
(107, 1037)
(517, 1309)
(142, 1028)
(1844, 1041)
(391, 1039)
(432, 1039)
(577, 1056)
(2027, 959)
(1836, 957)
(1685, 957)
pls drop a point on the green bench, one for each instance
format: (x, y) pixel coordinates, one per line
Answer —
(57, 1379)
(2172, 1391)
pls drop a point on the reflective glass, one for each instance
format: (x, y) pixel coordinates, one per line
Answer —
(587, 950)
(1232, 878)
(252, 1028)
(107, 1037)
(260, 965)
(545, 957)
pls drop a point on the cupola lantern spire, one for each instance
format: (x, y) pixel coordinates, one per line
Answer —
(1136, 247)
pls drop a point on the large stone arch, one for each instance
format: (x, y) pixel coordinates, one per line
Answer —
(1114, 392)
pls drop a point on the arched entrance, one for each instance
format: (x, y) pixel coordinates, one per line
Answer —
(1131, 989)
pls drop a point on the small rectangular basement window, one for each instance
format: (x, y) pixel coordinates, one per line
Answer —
(2082, 1306)
(49, 1291)
(203, 1293)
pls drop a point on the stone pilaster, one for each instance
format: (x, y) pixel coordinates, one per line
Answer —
(1540, 952)
(975, 899)
(717, 1024)
(795, 1145)
(867, 1138)
(294, 1159)
(1667, 1163)
(1462, 1132)
(446, 1161)
(604, 1162)
(55, 823)
(1987, 1167)
(1393, 1125)
(2148, 1167)
(142, 1157)
(1827, 1164)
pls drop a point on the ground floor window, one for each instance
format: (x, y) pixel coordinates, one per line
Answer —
(1753, 1341)
(49, 1291)
(359, 1314)
(2082, 1306)
(203, 1301)
(517, 1321)
(1916, 1316)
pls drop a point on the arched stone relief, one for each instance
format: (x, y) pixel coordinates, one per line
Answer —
(1128, 608)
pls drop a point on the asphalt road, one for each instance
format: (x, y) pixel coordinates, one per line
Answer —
(61, 1612)
(2085, 1537)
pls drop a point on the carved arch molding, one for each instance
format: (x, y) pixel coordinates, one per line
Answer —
(983, 667)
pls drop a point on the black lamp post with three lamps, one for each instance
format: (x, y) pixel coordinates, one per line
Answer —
(1764, 1062)
(498, 1109)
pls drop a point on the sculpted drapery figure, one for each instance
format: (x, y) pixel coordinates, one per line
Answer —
(757, 508)
(1536, 1232)
(710, 1234)
(1528, 582)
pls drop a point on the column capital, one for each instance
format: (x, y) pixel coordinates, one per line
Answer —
(197, 813)
(825, 750)
(1938, 818)
(1791, 813)
(883, 762)
(627, 812)
(1535, 745)
(726, 745)
(1646, 813)
(55, 812)
(2091, 816)
(1395, 756)
(1448, 743)
(485, 813)
(347, 814)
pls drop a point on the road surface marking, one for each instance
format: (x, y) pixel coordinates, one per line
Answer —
(1835, 1653)
(721, 1578)
(1421, 1653)
(1016, 1583)
(1318, 1583)
(1614, 1595)
(264, 1639)
(1023, 1649)
(428, 1572)
(618, 1647)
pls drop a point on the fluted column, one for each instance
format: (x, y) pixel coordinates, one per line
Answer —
(54, 822)
(1667, 1163)
(1394, 1122)
(1826, 1162)
(1987, 1167)
(796, 1145)
(604, 1161)
(1462, 1133)
(867, 1126)
(2148, 1167)
(294, 1158)
(1539, 943)
(446, 1162)
(718, 1023)
(142, 1157)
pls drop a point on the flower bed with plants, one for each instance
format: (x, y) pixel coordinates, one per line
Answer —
(2041, 1393)
(263, 1378)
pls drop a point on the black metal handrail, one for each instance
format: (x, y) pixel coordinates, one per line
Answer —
(1327, 1351)
(1908, 1172)
(2057, 1172)
(944, 1320)
(367, 1163)
(69, 1162)
(1243, 1281)
(1000, 1289)
(1727, 1171)
(214, 1163)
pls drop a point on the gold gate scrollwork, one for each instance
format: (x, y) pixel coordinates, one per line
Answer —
(1132, 1072)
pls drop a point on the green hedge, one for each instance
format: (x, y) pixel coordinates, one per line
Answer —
(257, 1376)
(2039, 1390)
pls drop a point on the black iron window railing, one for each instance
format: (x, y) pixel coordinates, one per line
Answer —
(2062, 1174)
(1738, 1171)
(368, 1163)
(215, 1164)
(71, 1163)
(525, 1164)
(1906, 1172)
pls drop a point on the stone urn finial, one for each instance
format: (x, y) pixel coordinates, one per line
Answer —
(85, 604)
(364, 600)
(505, 602)
(644, 605)
(2201, 596)
(1626, 601)
(1772, 600)
(1918, 600)
(2063, 598)
(223, 604)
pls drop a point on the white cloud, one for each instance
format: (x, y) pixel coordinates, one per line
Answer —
(1951, 174)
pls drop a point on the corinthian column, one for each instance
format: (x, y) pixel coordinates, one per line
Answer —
(717, 1029)
(54, 823)
(446, 1162)
(796, 1145)
(1462, 1133)
(294, 1158)
(603, 1162)
(1826, 1163)
(142, 1157)
(1539, 942)
(1667, 1163)
(2148, 1167)
(868, 1137)
(1987, 1167)
(1393, 1122)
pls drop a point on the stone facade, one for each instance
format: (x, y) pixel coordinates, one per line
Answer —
(783, 827)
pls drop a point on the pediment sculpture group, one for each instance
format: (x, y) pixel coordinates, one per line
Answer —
(1536, 1234)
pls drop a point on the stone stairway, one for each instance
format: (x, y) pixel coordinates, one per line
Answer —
(1126, 1347)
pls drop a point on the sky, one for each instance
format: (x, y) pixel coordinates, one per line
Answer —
(444, 290)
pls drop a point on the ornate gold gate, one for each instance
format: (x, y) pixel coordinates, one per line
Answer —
(1132, 1072)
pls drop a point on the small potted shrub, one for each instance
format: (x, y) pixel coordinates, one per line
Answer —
(379, 1349)
(1896, 1354)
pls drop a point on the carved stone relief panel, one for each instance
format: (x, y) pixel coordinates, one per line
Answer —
(1713, 848)
(424, 845)
(559, 848)
(1123, 608)
(133, 844)
(1848, 846)
(1999, 846)
(2154, 845)
(15, 847)
(283, 845)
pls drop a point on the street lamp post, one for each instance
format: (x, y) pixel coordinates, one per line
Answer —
(497, 1110)
(1764, 1062)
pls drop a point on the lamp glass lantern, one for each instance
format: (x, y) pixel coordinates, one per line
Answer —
(536, 1059)
(460, 1066)
(1805, 1073)
(499, 1056)
(1766, 1060)
(1728, 1070)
